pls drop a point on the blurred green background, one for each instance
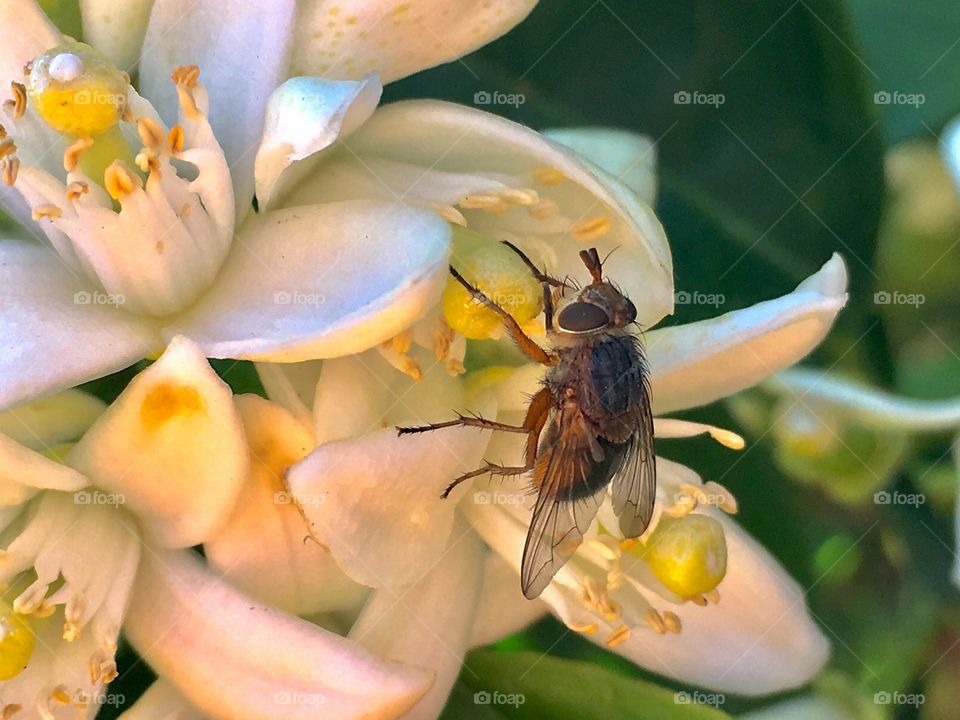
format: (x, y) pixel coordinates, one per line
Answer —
(802, 158)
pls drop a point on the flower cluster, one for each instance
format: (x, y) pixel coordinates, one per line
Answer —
(334, 580)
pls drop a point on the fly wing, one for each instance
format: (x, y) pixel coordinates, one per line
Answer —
(634, 482)
(572, 475)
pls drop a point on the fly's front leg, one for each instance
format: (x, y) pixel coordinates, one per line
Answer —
(523, 341)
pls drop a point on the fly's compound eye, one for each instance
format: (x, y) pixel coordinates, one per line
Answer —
(582, 317)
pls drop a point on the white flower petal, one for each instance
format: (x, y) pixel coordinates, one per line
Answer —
(388, 524)
(172, 445)
(452, 138)
(23, 472)
(116, 28)
(321, 281)
(346, 176)
(162, 701)
(292, 386)
(200, 633)
(241, 50)
(502, 609)
(25, 32)
(262, 549)
(758, 639)
(49, 315)
(429, 625)
(306, 115)
(698, 363)
(346, 39)
(628, 156)
(45, 423)
(361, 393)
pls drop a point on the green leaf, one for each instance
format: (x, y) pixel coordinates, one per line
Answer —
(527, 685)
(912, 49)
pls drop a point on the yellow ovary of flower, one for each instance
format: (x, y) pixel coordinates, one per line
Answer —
(168, 400)
(76, 90)
(688, 555)
(17, 641)
(501, 275)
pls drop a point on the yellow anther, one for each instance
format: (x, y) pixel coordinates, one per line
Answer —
(700, 600)
(77, 189)
(586, 629)
(498, 208)
(150, 132)
(712, 596)
(7, 147)
(148, 161)
(450, 214)
(442, 338)
(627, 543)
(9, 711)
(119, 181)
(17, 642)
(684, 505)
(186, 75)
(71, 156)
(454, 366)
(548, 176)
(59, 694)
(175, 140)
(653, 619)
(411, 367)
(401, 342)
(519, 196)
(50, 212)
(11, 167)
(618, 637)
(544, 209)
(77, 90)
(591, 229)
(3, 132)
(672, 622)
(188, 103)
(185, 78)
(18, 106)
(479, 202)
(501, 275)
(688, 555)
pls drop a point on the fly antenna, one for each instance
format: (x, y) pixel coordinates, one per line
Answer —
(591, 259)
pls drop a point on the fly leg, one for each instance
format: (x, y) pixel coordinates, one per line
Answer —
(523, 341)
(463, 421)
(493, 469)
(533, 423)
(552, 287)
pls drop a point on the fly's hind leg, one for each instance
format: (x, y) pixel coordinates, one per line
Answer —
(493, 469)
